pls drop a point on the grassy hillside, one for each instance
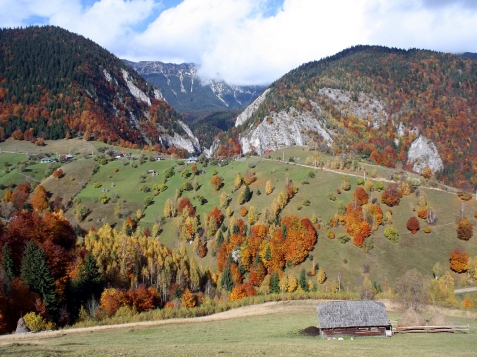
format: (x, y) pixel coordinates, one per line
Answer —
(275, 334)
(381, 260)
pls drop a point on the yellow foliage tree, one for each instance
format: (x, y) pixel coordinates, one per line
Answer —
(292, 283)
(188, 299)
(238, 181)
(321, 276)
(268, 187)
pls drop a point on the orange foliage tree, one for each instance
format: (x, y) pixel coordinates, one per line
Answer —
(58, 173)
(243, 211)
(360, 196)
(390, 195)
(458, 260)
(300, 238)
(217, 214)
(188, 299)
(185, 203)
(242, 290)
(39, 200)
(216, 181)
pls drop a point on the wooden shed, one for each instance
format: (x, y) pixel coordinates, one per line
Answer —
(353, 318)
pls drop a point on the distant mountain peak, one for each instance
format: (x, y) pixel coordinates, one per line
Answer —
(185, 91)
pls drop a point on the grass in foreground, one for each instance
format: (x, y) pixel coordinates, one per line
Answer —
(273, 335)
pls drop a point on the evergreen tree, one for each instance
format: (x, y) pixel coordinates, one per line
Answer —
(220, 239)
(226, 281)
(302, 281)
(36, 274)
(275, 283)
(90, 278)
(7, 262)
(247, 194)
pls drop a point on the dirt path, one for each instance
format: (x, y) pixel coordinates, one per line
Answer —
(274, 307)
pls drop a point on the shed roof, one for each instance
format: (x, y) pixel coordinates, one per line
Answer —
(352, 313)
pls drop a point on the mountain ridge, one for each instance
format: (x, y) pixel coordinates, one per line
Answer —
(184, 90)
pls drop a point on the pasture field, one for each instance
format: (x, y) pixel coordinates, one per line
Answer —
(122, 180)
(269, 330)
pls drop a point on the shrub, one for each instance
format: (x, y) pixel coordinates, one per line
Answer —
(378, 186)
(104, 198)
(343, 238)
(392, 234)
(116, 169)
(422, 213)
(97, 184)
(36, 323)
(311, 174)
(427, 230)
(243, 211)
(331, 196)
(331, 235)
(360, 181)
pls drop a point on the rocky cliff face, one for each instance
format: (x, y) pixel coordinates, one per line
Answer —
(298, 126)
(186, 91)
(423, 152)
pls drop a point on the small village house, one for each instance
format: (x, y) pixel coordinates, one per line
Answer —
(353, 318)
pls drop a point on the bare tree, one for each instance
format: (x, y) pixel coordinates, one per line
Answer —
(411, 290)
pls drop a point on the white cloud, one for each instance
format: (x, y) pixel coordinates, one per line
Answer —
(232, 39)
(107, 22)
(238, 40)
(449, 27)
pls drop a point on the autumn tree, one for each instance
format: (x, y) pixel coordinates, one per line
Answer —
(249, 177)
(413, 224)
(238, 181)
(224, 200)
(188, 299)
(252, 215)
(268, 187)
(458, 260)
(426, 172)
(390, 195)
(39, 201)
(360, 196)
(216, 182)
(464, 229)
(167, 209)
(345, 183)
(58, 173)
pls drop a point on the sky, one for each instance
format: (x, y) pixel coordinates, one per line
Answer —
(246, 42)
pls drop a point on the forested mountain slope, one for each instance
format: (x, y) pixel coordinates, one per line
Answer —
(413, 108)
(56, 84)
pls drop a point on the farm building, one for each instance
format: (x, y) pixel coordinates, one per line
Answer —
(191, 160)
(353, 318)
